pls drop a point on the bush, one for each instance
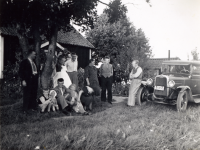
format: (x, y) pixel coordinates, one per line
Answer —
(10, 84)
(121, 88)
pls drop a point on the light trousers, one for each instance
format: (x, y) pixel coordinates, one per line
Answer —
(135, 84)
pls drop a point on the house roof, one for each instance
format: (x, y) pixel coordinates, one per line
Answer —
(156, 63)
(72, 37)
(181, 62)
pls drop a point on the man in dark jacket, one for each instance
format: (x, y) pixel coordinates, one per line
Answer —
(29, 78)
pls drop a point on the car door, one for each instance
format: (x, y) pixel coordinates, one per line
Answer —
(195, 77)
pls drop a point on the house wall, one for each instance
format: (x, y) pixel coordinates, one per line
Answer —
(1, 56)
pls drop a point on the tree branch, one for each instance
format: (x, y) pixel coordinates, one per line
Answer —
(103, 3)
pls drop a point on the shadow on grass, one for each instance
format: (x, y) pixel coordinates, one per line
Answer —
(13, 114)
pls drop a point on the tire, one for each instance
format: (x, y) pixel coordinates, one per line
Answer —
(140, 98)
(182, 101)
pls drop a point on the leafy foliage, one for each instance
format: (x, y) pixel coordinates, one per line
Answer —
(115, 11)
(10, 84)
(195, 54)
(121, 41)
(35, 18)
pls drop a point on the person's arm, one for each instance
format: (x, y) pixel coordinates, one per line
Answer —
(100, 70)
(111, 70)
(86, 75)
(43, 100)
(79, 95)
(131, 75)
(138, 73)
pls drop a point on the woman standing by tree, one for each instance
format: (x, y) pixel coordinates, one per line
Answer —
(61, 72)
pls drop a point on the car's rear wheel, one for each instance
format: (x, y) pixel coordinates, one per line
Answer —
(182, 101)
(141, 96)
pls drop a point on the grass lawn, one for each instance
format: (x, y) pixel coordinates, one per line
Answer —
(148, 127)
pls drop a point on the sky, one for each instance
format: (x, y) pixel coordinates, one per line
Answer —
(168, 24)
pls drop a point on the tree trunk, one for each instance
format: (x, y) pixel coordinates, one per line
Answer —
(48, 67)
(37, 44)
(23, 40)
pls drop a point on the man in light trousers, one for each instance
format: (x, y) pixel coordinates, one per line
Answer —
(136, 78)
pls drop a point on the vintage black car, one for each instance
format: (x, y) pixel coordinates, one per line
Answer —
(178, 84)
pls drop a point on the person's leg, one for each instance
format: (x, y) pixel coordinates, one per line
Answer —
(43, 107)
(56, 106)
(70, 76)
(109, 89)
(135, 84)
(49, 107)
(62, 102)
(53, 107)
(103, 92)
(75, 79)
(130, 95)
(26, 97)
(33, 94)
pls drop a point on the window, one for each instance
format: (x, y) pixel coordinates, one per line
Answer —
(196, 69)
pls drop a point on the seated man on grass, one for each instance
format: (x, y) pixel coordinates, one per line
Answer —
(62, 94)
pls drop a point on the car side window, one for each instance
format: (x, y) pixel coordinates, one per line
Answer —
(196, 69)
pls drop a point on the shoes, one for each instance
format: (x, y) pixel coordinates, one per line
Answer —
(113, 100)
(34, 109)
(66, 112)
(26, 112)
(110, 102)
(86, 113)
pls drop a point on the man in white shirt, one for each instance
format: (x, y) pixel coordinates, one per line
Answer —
(136, 77)
(72, 66)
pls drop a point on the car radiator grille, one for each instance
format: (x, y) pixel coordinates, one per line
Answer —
(161, 81)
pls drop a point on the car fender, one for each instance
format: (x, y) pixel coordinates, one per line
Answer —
(183, 88)
(186, 88)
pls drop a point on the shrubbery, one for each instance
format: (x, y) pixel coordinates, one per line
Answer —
(10, 84)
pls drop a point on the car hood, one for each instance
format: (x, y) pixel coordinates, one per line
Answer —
(178, 81)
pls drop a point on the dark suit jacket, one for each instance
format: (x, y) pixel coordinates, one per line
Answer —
(64, 89)
(25, 70)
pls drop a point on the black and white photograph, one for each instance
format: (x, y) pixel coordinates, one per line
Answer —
(100, 74)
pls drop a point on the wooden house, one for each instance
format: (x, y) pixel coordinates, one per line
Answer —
(72, 40)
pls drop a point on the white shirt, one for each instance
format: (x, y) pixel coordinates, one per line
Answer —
(71, 65)
(33, 66)
(61, 90)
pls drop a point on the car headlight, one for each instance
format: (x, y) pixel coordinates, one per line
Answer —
(171, 83)
(149, 81)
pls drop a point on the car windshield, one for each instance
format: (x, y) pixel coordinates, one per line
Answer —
(176, 69)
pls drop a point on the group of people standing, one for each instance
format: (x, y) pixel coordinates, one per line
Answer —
(65, 93)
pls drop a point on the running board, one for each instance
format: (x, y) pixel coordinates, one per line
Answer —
(167, 103)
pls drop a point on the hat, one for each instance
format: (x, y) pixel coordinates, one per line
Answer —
(52, 92)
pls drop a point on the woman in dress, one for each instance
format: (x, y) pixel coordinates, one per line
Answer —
(90, 75)
(61, 72)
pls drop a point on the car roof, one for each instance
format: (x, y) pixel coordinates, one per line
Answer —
(181, 62)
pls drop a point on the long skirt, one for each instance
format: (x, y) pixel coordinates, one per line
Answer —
(135, 84)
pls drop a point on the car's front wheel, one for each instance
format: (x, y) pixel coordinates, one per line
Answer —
(182, 101)
(141, 96)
